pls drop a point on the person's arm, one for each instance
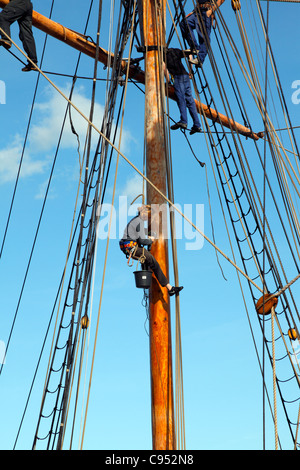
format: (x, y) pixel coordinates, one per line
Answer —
(166, 72)
(215, 6)
(136, 231)
(143, 240)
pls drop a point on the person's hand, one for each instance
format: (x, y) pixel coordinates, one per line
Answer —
(210, 13)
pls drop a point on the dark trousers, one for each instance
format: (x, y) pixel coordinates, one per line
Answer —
(191, 23)
(20, 11)
(153, 265)
(184, 98)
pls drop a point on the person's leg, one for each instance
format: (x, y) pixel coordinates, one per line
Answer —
(179, 88)
(203, 29)
(187, 26)
(153, 265)
(190, 102)
(26, 35)
(11, 13)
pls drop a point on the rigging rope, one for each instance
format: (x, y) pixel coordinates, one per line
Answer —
(70, 366)
(108, 236)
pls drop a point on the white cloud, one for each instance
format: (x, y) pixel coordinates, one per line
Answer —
(44, 134)
(132, 188)
(10, 157)
(45, 130)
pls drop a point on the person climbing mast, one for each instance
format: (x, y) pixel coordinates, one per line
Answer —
(20, 11)
(200, 20)
(134, 242)
(182, 88)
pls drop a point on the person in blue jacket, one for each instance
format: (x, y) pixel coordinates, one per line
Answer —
(199, 20)
(20, 11)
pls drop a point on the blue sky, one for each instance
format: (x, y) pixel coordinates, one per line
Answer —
(222, 382)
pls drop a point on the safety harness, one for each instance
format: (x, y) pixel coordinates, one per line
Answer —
(129, 248)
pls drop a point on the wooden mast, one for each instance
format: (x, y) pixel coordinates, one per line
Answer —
(79, 42)
(152, 22)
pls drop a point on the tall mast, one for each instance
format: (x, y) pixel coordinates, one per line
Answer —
(152, 21)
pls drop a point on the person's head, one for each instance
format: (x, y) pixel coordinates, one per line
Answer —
(144, 212)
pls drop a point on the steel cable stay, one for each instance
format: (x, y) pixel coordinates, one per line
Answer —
(260, 59)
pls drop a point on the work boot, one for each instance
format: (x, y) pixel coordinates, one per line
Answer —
(178, 125)
(28, 68)
(195, 129)
(5, 43)
(175, 290)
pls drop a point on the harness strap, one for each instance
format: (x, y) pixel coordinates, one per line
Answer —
(131, 253)
(129, 249)
(141, 259)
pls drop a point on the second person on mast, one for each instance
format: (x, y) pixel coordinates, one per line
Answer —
(200, 20)
(182, 88)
